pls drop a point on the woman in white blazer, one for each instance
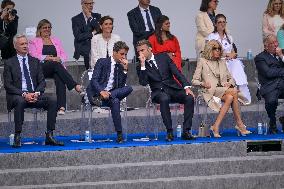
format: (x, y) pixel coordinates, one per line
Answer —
(204, 23)
(102, 43)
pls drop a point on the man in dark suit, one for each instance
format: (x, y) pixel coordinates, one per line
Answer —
(84, 26)
(24, 83)
(270, 67)
(108, 83)
(142, 21)
(158, 71)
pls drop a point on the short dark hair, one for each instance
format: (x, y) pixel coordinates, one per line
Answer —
(7, 2)
(143, 42)
(204, 5)
(120, 45)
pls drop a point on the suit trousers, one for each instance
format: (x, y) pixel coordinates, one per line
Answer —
(175, 96)
(87, 62)
(47, 103)
(61, 77)
(114, 103)
(271, 103)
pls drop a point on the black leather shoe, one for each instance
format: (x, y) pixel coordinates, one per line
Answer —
(187, 136)
(17, 141)
(119, 138)
(170, 137)
(272, 129)
(49, 140)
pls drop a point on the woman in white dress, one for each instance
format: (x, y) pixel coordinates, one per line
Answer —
(102, 43)
(235, 66)
(273, 17)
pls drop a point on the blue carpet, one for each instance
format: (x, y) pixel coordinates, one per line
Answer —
(73, 143)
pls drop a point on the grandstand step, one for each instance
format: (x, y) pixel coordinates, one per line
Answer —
(233, 181)
(211, 168)
(122, 155)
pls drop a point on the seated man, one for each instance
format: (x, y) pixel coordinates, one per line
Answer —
(158, 71)
(24, 83)
(108, 83)
(270, 67)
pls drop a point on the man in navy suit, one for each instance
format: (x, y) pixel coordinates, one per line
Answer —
(142, 20)
(24, 83)
(84, 26)
(158, 71)
(270, 67)
(108, 82)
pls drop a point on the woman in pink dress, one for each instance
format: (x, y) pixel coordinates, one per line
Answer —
(163, 41)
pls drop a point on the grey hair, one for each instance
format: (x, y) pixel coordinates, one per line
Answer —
(267, 37)
(17, 36)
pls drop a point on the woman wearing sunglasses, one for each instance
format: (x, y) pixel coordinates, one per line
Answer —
(235, 66)
(215, 80)
(49, 51)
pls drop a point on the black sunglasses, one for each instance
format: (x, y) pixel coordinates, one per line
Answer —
(217, 49)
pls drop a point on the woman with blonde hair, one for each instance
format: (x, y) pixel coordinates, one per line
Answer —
(49, 51)
(217, 84)
(273, 17)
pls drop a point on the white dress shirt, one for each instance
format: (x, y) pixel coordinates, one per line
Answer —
(145, 19)
(111, 76)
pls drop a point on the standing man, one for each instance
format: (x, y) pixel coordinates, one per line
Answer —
(108, 83)
(270, 67)
(142, 21)
(84, 26)
(158, 71)
(24, 83)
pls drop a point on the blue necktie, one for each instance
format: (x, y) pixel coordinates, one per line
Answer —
(27, 76)
(149, 23)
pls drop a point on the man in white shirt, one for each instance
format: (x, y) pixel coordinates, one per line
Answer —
(142, 21)
(108, 83)
(24, 84)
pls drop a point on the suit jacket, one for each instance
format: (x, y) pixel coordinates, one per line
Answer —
(204, 28)
(206, 73)
(164, 79)
(83, 33)
(137, 24)
(101, 75)
(270, 72)
(36, 45)
(13, 77)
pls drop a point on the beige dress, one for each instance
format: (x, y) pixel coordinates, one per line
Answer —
(216, 73)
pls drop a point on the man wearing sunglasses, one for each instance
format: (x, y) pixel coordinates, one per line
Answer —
(84, 26)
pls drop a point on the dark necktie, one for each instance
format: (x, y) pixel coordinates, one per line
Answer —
(153, 65)
(107, 55)
(27, 76)
(149, 20)
(115, 78)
